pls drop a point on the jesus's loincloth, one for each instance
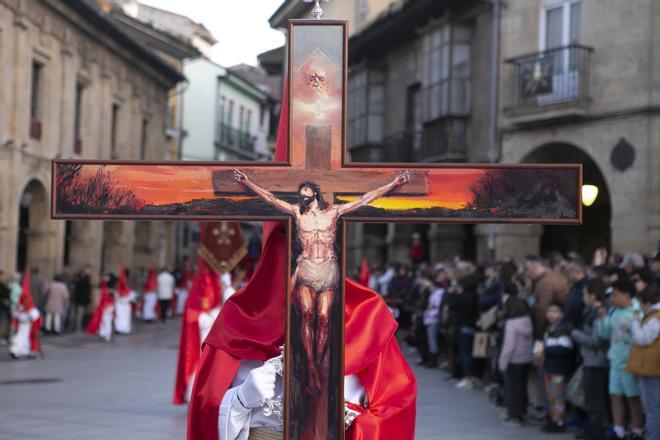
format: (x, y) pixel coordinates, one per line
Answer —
(319, 276)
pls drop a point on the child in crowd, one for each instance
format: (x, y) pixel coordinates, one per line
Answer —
(594, 355)
(516, 358)
(644, 359)
(432, 319)
(623, 386)
(558, 364)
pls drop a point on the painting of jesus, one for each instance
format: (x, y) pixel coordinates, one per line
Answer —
(316, 275)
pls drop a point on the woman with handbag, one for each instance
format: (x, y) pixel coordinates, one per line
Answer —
(516, 358)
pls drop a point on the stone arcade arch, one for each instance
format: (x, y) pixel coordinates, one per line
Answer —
(36, 241)
(595, 230)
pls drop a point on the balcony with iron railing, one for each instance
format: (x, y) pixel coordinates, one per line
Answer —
(441, 141)
(236, 141)
(553, 84)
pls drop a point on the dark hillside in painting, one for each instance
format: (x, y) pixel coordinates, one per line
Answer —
(528, 193)
(96, 194)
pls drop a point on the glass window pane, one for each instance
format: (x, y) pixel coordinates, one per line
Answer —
(444, 97)
(435, 66)
(437, 39)
(375, 133)
(435, 102)
(553, 27)
(461, 34)
(576, 12)
(445, 34)
(445, 62)
(376, 99)
(460, 97)
(461, 61)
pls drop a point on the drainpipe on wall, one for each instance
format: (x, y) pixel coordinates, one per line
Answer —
(493, 151)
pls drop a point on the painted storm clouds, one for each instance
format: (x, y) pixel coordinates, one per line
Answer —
(452, 193)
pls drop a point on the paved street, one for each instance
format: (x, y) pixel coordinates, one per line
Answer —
(88, 389)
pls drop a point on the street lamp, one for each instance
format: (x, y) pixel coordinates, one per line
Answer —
(589, 194)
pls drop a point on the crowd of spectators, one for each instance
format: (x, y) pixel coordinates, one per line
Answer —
(561, 342)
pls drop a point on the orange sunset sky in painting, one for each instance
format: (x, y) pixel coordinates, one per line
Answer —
(162, 185)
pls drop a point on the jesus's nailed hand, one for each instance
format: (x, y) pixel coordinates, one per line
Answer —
(239, 176)
(258, 387)
(403, 178)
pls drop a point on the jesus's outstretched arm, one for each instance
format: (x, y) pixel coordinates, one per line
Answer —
(263, 194)
(369, 197)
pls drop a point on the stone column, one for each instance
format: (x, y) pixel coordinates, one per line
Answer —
(507, 241)
(354, 245)
(446, 241)
(85, 245)
(399, 239)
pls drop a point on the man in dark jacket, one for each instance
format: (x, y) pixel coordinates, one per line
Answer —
(463, 305)
(593, 350)
(574, 304)
(82, 296)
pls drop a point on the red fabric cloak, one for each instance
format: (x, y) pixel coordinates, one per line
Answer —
(106, 300)
(251, 326)
(122, 285)
(26, 304)
(205, 294)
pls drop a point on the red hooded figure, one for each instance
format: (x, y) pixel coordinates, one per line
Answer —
(251, 326)
(94, 326)
(150, 306)
(122, 285)
(205, 295)
(27, 315)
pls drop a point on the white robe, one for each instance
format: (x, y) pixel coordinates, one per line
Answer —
(123, 313)
(20, 341)
(105, 330)
(234, 421)
(205, 322)
(181, 296)
(149, 301)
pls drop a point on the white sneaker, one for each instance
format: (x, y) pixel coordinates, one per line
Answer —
(465, 384)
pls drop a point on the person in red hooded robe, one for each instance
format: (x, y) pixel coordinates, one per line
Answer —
(234, 380)
(202, 307)
(101, 322)
(124, 299)
(27, 322)
(150, 309)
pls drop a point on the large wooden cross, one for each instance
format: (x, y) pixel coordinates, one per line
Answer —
(316, 191)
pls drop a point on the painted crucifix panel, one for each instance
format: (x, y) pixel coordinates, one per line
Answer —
(316, 191)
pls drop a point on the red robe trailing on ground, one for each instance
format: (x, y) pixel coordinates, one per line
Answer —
(251, 326)
(205, 295)
(28, 311)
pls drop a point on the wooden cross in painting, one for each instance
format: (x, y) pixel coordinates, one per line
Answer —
(316, 191)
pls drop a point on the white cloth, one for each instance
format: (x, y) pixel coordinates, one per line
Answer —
(105, 330)
(645, 335)
(149, 301)
(235, 421)
(165, 285)
(384, 281)
(181, 296)
(124, 312)
(432, 312)
(205, 321)
(20, 341)
(227, 286)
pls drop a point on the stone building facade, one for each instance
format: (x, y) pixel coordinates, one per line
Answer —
(580, 83)
(72, 85)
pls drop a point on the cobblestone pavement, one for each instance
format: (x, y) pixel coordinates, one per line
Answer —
(88, 389)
